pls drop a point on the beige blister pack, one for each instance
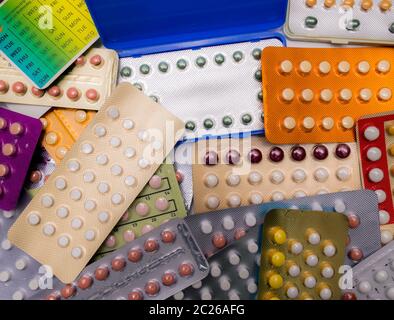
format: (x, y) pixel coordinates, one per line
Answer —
(103, 173)
(86, 85)
(229, 173)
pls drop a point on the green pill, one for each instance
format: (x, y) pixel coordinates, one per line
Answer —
(353, 25)
(208, 124)
(190, 126)
(260, 96)
(126, 72)
(181, 64)
(138, 86)
(227, 121)
(238, 56)
(258, 75)
(310, 22)
(246, 119)
(391, 29)
(201, 62)
(219, 59)
(145, 69)
(256, 54)
(163, 67)
(155, 98)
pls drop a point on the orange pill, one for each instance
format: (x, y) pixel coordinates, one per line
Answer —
(19, 88)
(37, 92)
(80, 61)
(366, 4)
(168, 279)
(85, 282)
(329, 3)
(3, 87)
(310, 3)
(348, 3)
(16, 129)
(4, 169)
(8, 149)
(385, 5)
(219, 240)
(68, 291)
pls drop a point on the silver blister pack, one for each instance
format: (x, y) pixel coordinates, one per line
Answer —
(216, 230)
(341, 22)
(214, 90)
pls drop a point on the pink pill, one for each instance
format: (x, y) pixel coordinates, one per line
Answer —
(110, 242)
(147, 228)
(54, 91)
(161, 204)
(80, 61)
(155, 182)
(3, 86)
(96, 60)
(92, 95)
(128, 235)
(73, 93)
(142, 209)
(19, 87)
(37, 92)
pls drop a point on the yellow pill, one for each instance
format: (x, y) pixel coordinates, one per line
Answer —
(385, 5)
(329, 3)
(310, 3)
(278, 259)
(275, 281)
(280, 237)
(366, 4)
(390, 130)
(391, 150)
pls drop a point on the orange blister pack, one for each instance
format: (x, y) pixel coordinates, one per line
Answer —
(62, 128)
(317, 95)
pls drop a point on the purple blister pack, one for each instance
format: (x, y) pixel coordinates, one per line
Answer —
(19, 136)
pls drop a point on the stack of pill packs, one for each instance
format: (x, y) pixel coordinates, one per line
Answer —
(244, 151)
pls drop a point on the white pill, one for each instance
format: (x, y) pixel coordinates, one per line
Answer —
(233, 180)
(18, 295)
(128, 124)
(117, 199)
(329, 250)
(228, 223)
(90, 205)
(392, 265)
(243, 272)
(363, 67)
(116, 170)
(87, 148)
(76, 223)
(48, 229)
(326, 95)
(250, 219)
(75, 194)
(376, 175)
(251, 286)
(157, 145)
(130, 181)
(348, 122)
(381, 195)
(34, 219)
(76, 252)
(325, 294)
(233, 295)
(143, 135)
(234, 258)
(365, 94)
(328, 123)
(211, 181)
(21, 264)
(371, 133)
(286, 66)
(63, 241)
(288, 94)
(47, 201)
(344, 67)
(129, 152)
(345, 94)
(60, 183)
(299, 176)
(289, 123)
(343, 173)
(294, 271)
(213, 202)
(224, 283)
(252, 246)
(322, 191)
(385, 94)
(292, 292)
(325, 67)
(103, 216)
(383, 66)
(312, 260)
(115, 142)
(296, 248)
(299, 194)
(307, 95)
(6, 245)
(316, 206)
(327, 272)
(305, 66)
(205, 294)
(90, 235)
(308, 123)
(206, 227)
(390, 293)
(256, 198)
(277, 177)
(339, 206)
(277, 196)
(102, 159)
(5, 276)
(314, 238)
(100, 131)
(103, 187)
(215, 270)
(179, 296)
(384, 217)
(364, 287)
(374, 154)
(9, 214)
(73, 165)
(234, 200)
(381, 276)
(321, 175)
(62, 212)
(33, 284)
(143, 163)
(113, 113)
(255, 178)
(386, 237)
(310, 282)
(89, 176)
(197, 285)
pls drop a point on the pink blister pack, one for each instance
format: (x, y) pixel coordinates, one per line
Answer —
(19, 136)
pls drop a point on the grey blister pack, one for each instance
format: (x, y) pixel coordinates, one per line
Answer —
(214, 90)
(341, 21)
(152, 267)
(218, 229)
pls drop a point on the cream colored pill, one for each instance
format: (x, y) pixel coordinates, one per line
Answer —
(113, 113)
(307, 95)
(255, 177)
(308, 123)
(129, 152)
(321, 175)
(49, 229)
(75, 194)
(115, 142)
(76, 253)
(288, 94)
(344, 67)
(365, 94)
(73, 165)
(233, 180)
(62, 212)
(324, 67)
(33, 284)
(206, 227)
(47, 201)
(51, 138)
(6, 245)
(228, 223)
(289, 123)
(384, 217)
(299, 194)
(87, 148)
(348, 122)
(345, 95)
(213, 202)
(117, 199)
(305, 67)
(234, 201)
(116, 170)
(277, 177)
(363, 67)
(381, 195)
(326, 95)
(328, 123)
(286, 66)
(33, 219)
(90, 205)
(343, 173)
(299, 176)
(100, 131)
(76, 223)
(103, 216)
(88, 177)
(256, 198)
(103, 187)
(21, 264)
(128, 124)
(211, 181)
(130, 181)
(385, 94)
(63, 241)
(102, 159)
(277, 196)
(60, 183)
(90, 235)
(383, 66)
(250, 220)
(143, 163)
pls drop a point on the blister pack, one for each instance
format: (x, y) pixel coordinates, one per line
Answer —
(317, 95)
(228, 173)
(86, 85)
(155, 266)
(341, 21)
(159, 201)
(375, 137)
(301, 254)
(218, 229)
(99, 178)
(233, 273)
(19, 136)
(208, 81)
(62, 128)
(373, 278)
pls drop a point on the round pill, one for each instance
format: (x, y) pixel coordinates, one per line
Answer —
(234, 200)
(234, 258)
(151, 245)
(73, 165)
(321, 175)
(390, 293)
(278, 259)
(310, 3)
(376, 175)
(354, 221)
(343, 173)
(162, 204)
(63, 241)
(298, 153)
(61, 152)
(342, 151)
(233, 157)
(256, 53)
(324, 67)
(220, 59)
(363, 67)
(307, 95)
(305, 67)
(185, 269)
(4, 170)
(254, 178)
(276, 154)
(345, 95)
(365, 94)
(294, 271)
(289, 123)
(255, 198)
(329, 250)
(275, 281)
(381, 276)
(73, 93)
(219, 240)
(37, 92)
(327, 272)
(381, 195)
(102, 159)
(296, 247)
(385, 94)
(385, 5)
(308, 123)
(288, 94)
(386, 237)
(277, 196)
(238, 56)
(313, 237)
(299, 176)
(16, 128)
(85, 282)
(364, 287)
(76, 223)
(310, 282)
(326, 95)
(76, 252)
(211, 180)
(250, 219)
(211, 158)
(75, 194)
(21, 264)
(54, 91)
(49, 229)
(243, 272)
(87, 148)
(155, 182)
(8, 149)
(374, 154)
(19, 88)
(371, 133)
(366, 4)
(239, 233)
(33, 219)
(255, 156)
(62, 212)
(228, 223)
(233, 180)
(201, 62)
(384, 217)
(168, 279)
(299, 194)
(6, 245)
(213, 202)
(286, 66)
(88, 176)
(356, 254)
(383, 66)
(312, 260)
(343, 67)
(320, 152)
(3, 87)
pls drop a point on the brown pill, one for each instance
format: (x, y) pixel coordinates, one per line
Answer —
(101, 273)
(151, 245)
(168, 236)
(92, 95)
(118, 264)
(54, 91)
(9, 149)
(239, 233)
(72, 93)
(37, 92)
(16, 129)
(19, 88)
(135, 295)
(96, 60)
(168, 279)
(185, 270)
(152, 288)
(3, 86)
(4, 170)
(3, 123)
(53, 296)
(35, 176)
(366, 4)
(355, 254)
(354, 221)
(349, 296)
(68, 291)
(85, 282)
(219, 240)
(134, 255)
(80, 61)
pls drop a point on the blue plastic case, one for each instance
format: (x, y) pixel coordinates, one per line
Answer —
(139, 27)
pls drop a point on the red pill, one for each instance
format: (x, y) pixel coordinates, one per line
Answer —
(135, 295)
(72, 93)
(354, 221)
(168, 279)
(92, 95)
(349, 296)
(152, 288)
(53, 296)
(68, 291)
(3, 86)
(96, 60)
(185, 269)
(151, 245)
(355, 254)
(239, 233)
(85, 282)
(80, 61)
(54, 91)
(19, 88)
(35, 176)
(118, 264)
(101, 273)
(37, 92)
(219, 240)
(134, 255)
(168, 236)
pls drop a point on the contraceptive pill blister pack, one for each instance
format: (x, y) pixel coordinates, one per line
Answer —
(375, 137)
(317, 95)
(228, 173)
(159, 201)
(153, 267)
(218, 229)
(86, 85)
(221, 86)
(19, 136)
(302, 252)
(233, 272)
(341, 21)
(373, 278)
(83, 200)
